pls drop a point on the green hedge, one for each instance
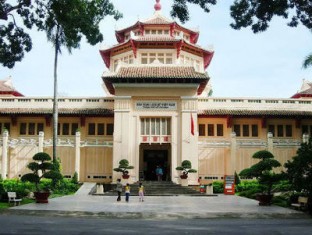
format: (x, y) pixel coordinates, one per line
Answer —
(218, 186)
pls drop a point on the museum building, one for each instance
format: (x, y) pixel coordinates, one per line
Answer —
(158, 111)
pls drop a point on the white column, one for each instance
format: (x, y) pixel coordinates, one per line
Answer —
(40, 144)
(305, 138)
(77, 154)
(270, 142)
(4, 168)
(233, 153)
(174, 150)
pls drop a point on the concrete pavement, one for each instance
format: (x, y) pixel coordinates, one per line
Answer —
(155, 207)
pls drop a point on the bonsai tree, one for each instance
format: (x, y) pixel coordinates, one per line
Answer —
(263, 172)
(123, 168)
(186, 167)
(41, 167)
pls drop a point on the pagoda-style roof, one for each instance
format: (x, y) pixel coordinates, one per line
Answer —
(305, 91)
(7, 89)
(156, 20)
(155, 73)
(149, 42)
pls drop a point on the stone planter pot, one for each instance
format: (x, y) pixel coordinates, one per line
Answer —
(184, 182)
(42, 197)
(264, 199)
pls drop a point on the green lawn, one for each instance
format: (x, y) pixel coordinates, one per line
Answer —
(5, 205)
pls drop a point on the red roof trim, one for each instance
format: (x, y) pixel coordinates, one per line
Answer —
(106, 57)
(299, 95)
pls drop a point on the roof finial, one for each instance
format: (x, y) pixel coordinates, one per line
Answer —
(157, 6)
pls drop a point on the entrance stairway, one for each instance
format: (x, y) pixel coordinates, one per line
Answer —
(155, 188)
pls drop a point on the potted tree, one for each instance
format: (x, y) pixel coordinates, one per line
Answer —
(41, 167)
(185, 168)
(263, 172)
(123, 168)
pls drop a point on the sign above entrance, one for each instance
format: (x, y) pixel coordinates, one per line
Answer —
(156, 105)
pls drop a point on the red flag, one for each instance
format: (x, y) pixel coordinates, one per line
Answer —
(192, 125)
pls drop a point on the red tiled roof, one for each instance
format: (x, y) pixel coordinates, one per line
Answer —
(156, 74)
(160, 71)
(246, 112)
(8, 89)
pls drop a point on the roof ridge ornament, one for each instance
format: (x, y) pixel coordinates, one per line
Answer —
(157, 6)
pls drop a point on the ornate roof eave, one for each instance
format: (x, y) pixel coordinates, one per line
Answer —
(301, 95)
(106, 53)
(141, 25)
(13, 93)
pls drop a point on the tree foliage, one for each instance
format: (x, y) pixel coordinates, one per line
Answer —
(257, 14)
(180, 8)
(123, 167)
(77, 18)
(186, 167)
(41, 167)
(299, 169)
(307, 61)
(263, 170)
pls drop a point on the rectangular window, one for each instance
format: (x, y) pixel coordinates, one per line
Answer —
(201, 130)
(91, 129)
(40, 127)
(109, 129)
(31, 128)
(237, 130)
(272, 129)
(163, 126)
(153, 132)
(168, 126)
(65, 129)
(280, 131)
(23, 127)
(58, 129)
(254, 131)
(219, 130)
(74, 128)
(288, 131)
(246, 130)
(100, 129)
(211, 130)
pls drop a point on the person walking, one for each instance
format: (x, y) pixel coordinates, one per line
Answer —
(127, 192)
(159, 173)
(119, 189)
(141, 192)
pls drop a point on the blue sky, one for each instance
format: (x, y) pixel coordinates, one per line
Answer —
(267, 64)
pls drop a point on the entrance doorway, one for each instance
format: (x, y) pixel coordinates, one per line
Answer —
(153, 158)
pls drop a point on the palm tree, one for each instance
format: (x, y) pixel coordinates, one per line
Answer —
(65, 23)
(307, 61)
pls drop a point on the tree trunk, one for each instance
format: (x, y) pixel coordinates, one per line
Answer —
(55, 96)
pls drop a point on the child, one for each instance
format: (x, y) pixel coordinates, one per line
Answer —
(127, 192)
(119, 189)
(141, 192)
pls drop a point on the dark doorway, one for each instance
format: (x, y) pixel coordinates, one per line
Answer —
(152, 159)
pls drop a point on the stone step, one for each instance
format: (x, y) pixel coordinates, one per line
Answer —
(155, 188)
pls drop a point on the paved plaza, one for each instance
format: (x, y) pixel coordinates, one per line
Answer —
(158, 207)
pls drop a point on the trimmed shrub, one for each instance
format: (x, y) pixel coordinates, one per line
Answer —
(218, 186)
